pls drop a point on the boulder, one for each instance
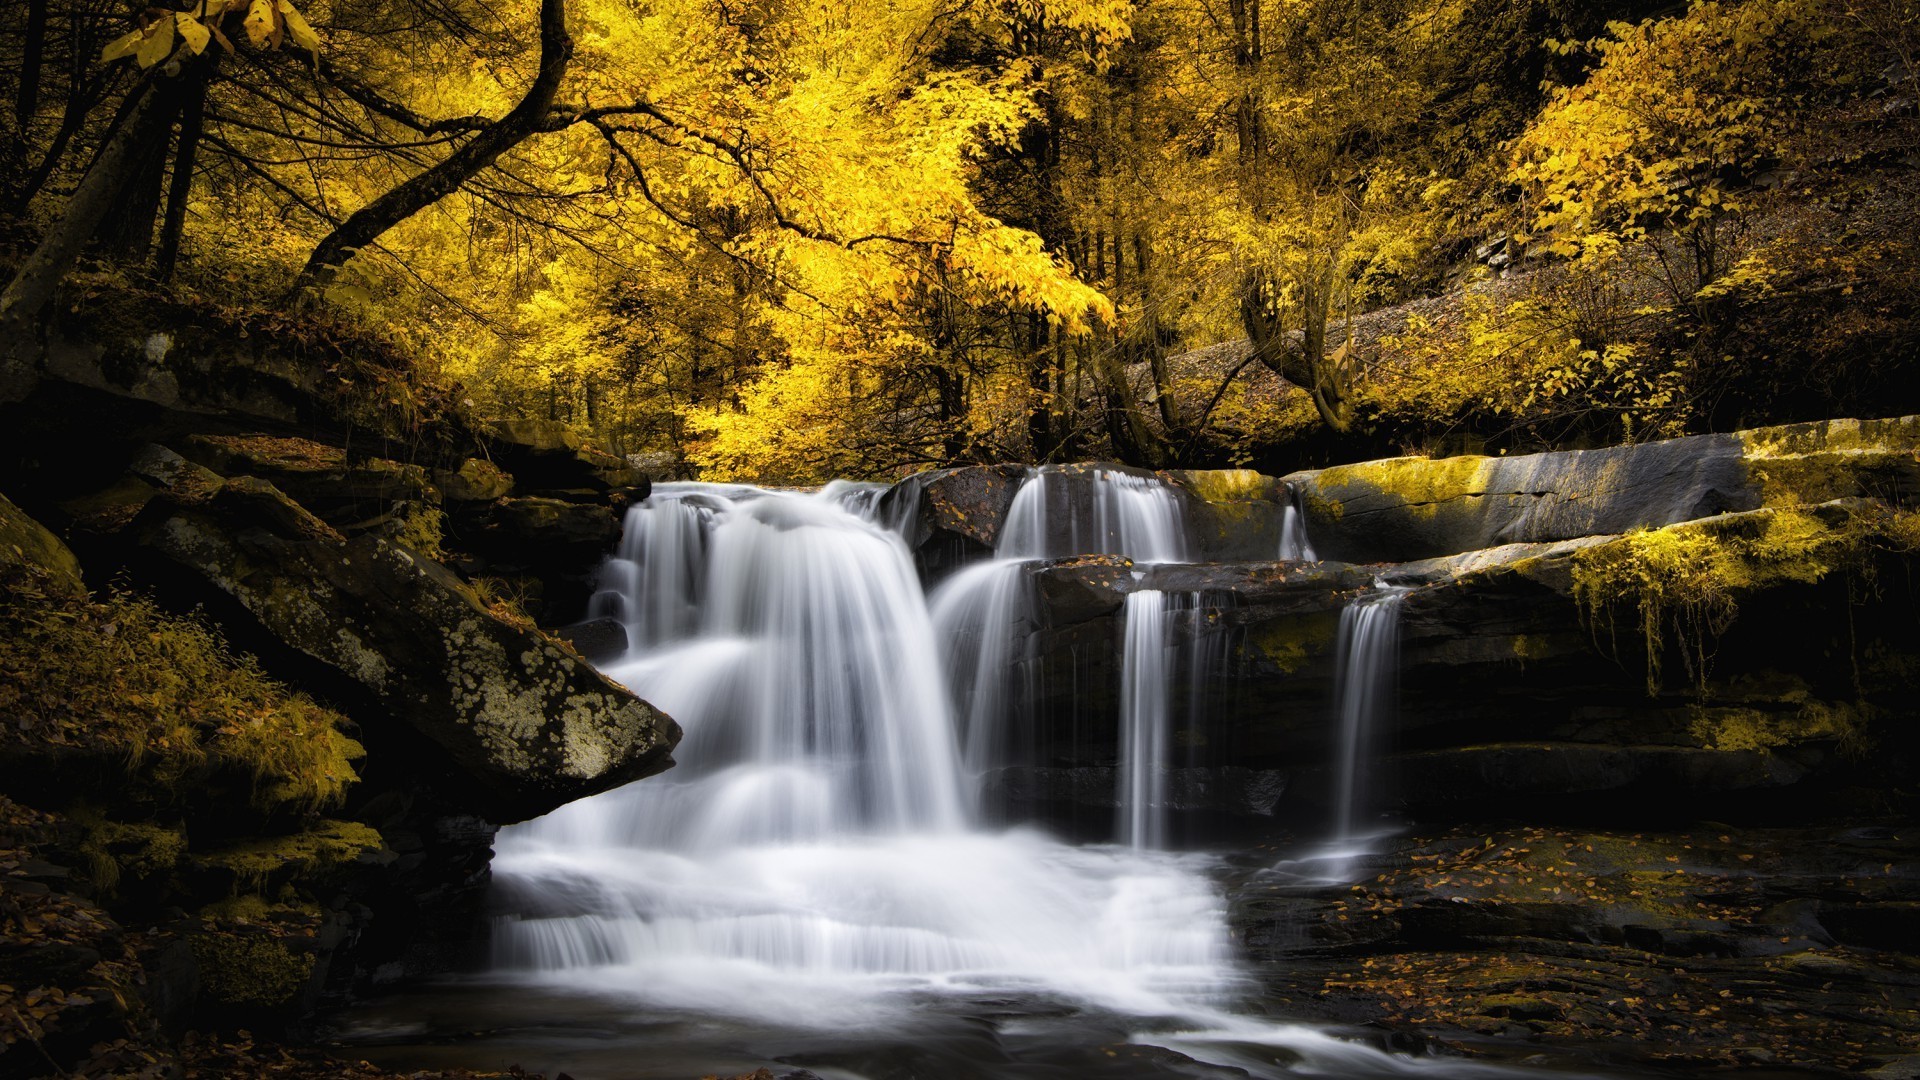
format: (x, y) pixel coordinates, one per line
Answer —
(473, 481)
(598, 640)
(522, 717)
(25, 544)
(347, 493)
(1232, 514)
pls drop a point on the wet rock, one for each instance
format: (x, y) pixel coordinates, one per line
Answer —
(596, 639)
(1225, 790)
(1559, 769)
(1232, 514)
(527, 722)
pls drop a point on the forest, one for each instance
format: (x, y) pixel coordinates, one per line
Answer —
(788, 241)
(959, 539)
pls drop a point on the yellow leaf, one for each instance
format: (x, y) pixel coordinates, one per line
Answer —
(261, 23)
(157, 45)
(299, 29)
(122, 46)
(192, 32)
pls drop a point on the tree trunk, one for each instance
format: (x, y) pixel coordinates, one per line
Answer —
(33, 284)
(1040, 382)
(1306, 364)
(127, 232)
(424, 189)
(27, 102)
(192, 119)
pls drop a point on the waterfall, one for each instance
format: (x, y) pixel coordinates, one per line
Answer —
(816, 851)
(1099, 511)
(1295, 546)
(1145, 718)
(814, 874)
(982, 612)
(1366, 672)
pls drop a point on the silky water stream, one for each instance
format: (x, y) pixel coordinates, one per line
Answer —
(814, 885)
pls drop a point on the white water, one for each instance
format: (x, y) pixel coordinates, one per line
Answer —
(1098, 511)
(1295, 545)
(815, 861)
(1367, 668)
(814, 853)
(982, 613)
(1145, 721)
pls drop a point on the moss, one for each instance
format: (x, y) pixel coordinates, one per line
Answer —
(1760, 729)
(1288, 644)
(1683, 583)
(421, 529)
(1419, 483)
(120, 676)
(251, 908)
(250, 969)
(119, 849)
(26, 547)
(1230, 493)
(1531, 646)
(316, 853)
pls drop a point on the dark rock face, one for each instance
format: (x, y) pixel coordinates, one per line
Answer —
(527, 719)
(596, 639)
(546, 455)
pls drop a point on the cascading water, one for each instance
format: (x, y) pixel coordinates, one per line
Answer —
(1144, 721)
(815, 847)
(1295, 546)
(1367, 668)
(813, 875)
(982, 612)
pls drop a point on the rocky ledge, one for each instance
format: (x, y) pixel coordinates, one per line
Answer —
(272, 672)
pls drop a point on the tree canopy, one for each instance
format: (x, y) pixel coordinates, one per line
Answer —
(783, 240)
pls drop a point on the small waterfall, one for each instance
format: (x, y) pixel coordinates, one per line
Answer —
(1100, 511)
(1366, 673)
(1295, 546)
(1145, 721)
(981, 613)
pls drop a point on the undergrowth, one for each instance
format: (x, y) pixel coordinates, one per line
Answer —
(164, 692)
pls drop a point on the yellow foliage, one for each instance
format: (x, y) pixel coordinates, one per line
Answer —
(121, 677)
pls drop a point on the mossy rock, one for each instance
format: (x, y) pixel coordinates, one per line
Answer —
(252, 971)
(1232, 513)
(26, 546)
(319, 855)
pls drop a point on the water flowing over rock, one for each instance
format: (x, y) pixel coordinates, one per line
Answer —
(820, 842)
(1152, 663)
(1144, 719)
(1366, 670)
